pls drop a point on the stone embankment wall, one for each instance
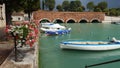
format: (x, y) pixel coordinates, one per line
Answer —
(109, 19)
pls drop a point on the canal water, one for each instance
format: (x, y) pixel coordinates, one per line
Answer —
(52, 56)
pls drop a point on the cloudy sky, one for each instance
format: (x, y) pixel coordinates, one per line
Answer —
(111, 3)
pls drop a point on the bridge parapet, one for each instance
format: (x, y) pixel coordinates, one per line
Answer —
(66, 16)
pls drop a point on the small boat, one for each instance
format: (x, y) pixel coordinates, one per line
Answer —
(118, 23)
(58, 32)
(91, 45)
(54, 29)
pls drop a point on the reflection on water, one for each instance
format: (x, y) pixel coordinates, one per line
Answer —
(95, 54)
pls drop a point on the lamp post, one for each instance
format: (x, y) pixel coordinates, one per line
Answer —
(29, 8)
(43, 3)
(15, 45)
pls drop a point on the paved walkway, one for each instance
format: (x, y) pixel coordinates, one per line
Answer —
(7, 55)
(30, 59)
(5, 50)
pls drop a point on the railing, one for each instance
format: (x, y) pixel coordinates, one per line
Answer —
(112, 61)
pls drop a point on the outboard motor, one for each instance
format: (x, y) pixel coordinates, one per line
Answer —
(115, 40)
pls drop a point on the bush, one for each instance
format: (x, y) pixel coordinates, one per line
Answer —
(25, 33)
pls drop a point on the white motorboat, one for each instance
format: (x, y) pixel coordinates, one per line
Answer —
(91, 45)
(54, 29)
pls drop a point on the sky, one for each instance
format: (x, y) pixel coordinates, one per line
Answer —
(111, 3)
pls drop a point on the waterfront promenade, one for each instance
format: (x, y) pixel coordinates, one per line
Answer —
(30, 59)
(7, 55)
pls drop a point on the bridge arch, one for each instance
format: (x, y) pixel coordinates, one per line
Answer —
(95, 20)
(83, 20)
(44, 20)
(58, 20)
(70, 20)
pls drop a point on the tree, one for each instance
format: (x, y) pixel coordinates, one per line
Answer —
(102, 5)
(30, 6)
(113, 12)
(78, 3)
(59, 8)
(83, 8)
(50, 4)
(97, 10)
(118, 11)
(80, 9)
(74, 5)
(1, 1)
(90, 6)
(12, 5)
(20, 5)
(106, 10)
(65, 5)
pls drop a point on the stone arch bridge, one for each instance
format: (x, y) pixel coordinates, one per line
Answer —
(68, 17)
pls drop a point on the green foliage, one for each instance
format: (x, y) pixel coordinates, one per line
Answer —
(78, 3)
(90, 6)
(106, 10)
(13, 5)
(36, 5)
(25, 31)
(59, 8)
(102, 5)
(80, 9)
(20, 5)
(30, 5)
(74, 5)
(83, 8)
(65, 5)
(50, 4)
(114, 12)
(97, 10)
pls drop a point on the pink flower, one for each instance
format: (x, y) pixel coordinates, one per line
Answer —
(25, 22)
(17, 23)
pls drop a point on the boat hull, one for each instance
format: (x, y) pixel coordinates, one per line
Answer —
(59, 32)
(93, 47)
(54, 29)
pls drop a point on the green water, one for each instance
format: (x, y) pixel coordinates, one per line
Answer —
(51, 56)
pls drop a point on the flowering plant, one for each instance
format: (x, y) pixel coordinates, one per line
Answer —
(25, 33)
